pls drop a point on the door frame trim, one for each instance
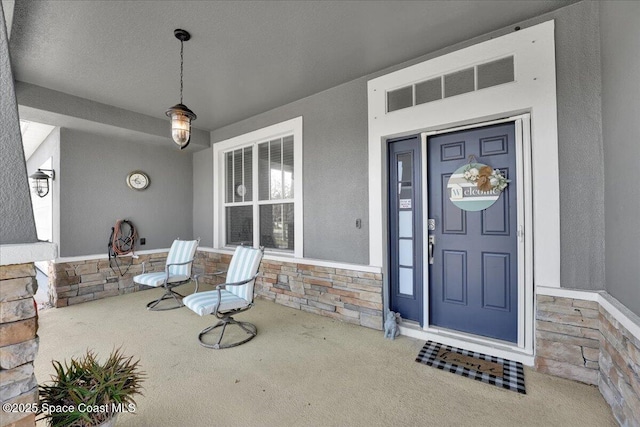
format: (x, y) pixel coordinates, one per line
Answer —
(524, 229)
(533, 91)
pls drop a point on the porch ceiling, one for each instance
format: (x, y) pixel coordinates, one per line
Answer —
(245, 57)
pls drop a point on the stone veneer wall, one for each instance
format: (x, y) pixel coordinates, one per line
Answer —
(75, 282)
(620, 370)
(568, 338)
(348, 295)
(582, 341)
(345, 294)
(18, 341)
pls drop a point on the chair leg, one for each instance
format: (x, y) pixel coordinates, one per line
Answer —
(167, 295)
(249, 328)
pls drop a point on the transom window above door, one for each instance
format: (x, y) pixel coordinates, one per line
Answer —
(260, 184)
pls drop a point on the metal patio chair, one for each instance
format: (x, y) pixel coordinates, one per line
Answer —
(177, 272)
(230, 298)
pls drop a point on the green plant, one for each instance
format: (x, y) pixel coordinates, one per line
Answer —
(84, 392)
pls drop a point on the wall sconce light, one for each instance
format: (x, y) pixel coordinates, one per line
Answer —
(181, 116)
(40, 181)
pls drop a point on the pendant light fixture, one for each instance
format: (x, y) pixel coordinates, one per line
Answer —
(181, 116)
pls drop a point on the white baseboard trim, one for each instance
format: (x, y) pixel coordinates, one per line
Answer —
(622, 314)
(568, 293)
(268, 257)
(106, 256)
(307, 261)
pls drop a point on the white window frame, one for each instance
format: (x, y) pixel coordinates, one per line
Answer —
(291, 127)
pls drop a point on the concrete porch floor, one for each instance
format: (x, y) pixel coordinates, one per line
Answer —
(301, 369)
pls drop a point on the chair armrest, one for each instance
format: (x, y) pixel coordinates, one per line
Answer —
(166, 267)
(199, 275)
(217, 273)
(179, 263)
(143, 267)
(224, 285)
(166, 270)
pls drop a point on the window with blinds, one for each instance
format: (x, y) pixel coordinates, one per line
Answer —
(259, 194)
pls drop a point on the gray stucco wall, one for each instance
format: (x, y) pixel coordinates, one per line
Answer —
(334, 168)
(94, 194)
(203, 196)
(17, 224)
(620, 34)
(335, 153)
(578, 82)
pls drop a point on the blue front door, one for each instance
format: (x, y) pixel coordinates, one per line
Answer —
(473, 271)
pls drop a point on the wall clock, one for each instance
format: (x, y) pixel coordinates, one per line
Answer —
(138, 180)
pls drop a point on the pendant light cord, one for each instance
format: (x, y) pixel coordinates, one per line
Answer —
(181, 66)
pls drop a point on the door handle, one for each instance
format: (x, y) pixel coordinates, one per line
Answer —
(432, 244)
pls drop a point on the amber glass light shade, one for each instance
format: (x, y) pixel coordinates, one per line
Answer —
(181, 118)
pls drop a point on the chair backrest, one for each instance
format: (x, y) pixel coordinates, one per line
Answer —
(244, 265)
(181, 251)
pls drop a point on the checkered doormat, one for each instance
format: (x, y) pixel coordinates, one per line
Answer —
(481, 367)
